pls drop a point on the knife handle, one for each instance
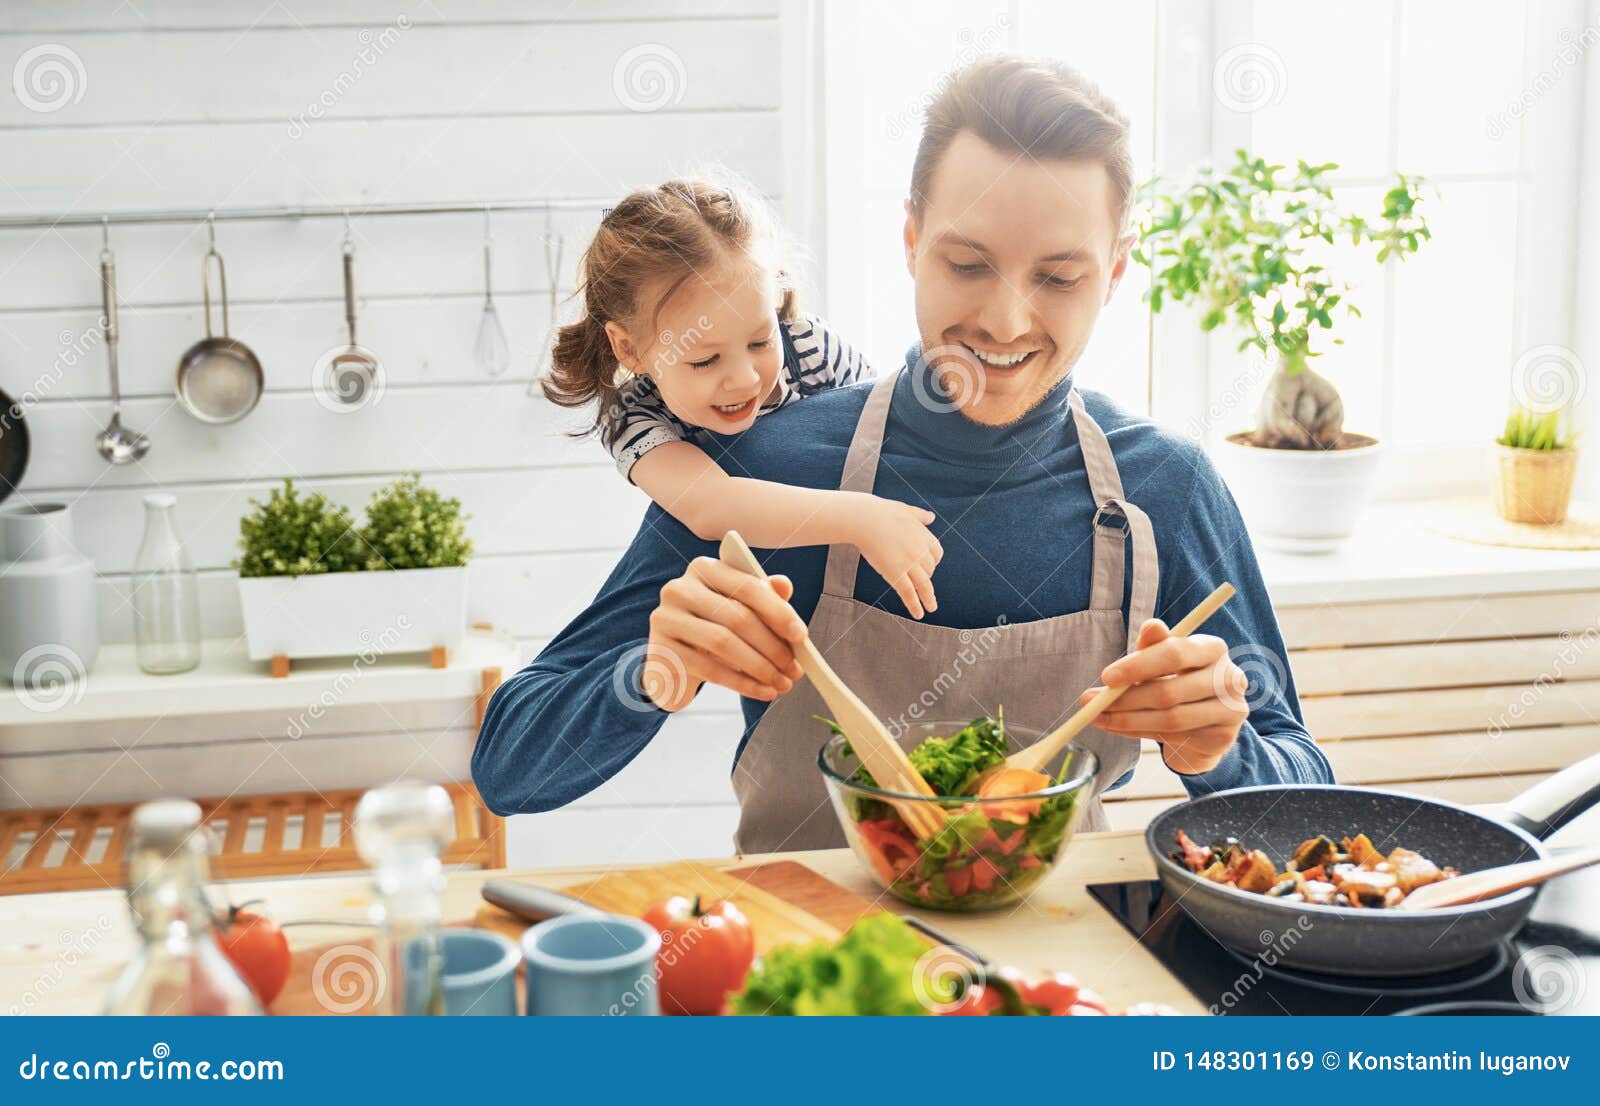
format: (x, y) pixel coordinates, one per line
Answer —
(532, 903)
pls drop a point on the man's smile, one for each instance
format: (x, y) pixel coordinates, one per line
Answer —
(1001, 360)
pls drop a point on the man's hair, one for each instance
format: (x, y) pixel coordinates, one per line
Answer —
(1042, 109)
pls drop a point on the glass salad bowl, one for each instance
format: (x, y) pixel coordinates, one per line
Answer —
(991, 851)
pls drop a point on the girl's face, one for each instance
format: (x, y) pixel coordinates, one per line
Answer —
(715, 352)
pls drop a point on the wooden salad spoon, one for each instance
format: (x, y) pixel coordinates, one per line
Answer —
(880, 753)
(1036, 756)
(1491, 882)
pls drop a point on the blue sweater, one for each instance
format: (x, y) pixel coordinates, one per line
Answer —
(1014, 513)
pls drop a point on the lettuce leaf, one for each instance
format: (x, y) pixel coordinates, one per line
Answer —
(950, 763)
(869, 971)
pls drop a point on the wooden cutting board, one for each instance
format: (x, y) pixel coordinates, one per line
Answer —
(786, 902)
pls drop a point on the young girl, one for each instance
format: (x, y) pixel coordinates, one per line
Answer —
(690, 327)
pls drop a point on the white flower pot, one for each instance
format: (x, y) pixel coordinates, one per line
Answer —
(1300, 500)
(354, 613)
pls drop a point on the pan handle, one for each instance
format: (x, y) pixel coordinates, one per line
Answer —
(350, 290)
(108, 296)
(108, 324)
(205, 287)
(1550, 804)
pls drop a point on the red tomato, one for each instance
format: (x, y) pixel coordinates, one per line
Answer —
(706, 951)
(984, 873)
(258, 949)
(959, 880)
(1056, 992)
(892, 852)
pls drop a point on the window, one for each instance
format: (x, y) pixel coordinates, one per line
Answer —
(1483, 98)
(1419, 86)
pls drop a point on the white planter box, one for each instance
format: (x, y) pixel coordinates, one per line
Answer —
(354, 613)
(1298, 500)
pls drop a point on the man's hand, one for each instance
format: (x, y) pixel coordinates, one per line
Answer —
(720, 624)
(1183, 692)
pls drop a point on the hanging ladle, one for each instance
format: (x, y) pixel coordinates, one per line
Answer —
(354, 370)
(491, 351)
(116, 443)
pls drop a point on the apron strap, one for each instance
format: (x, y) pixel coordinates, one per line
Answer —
(1111, 536)
(1146, 566)
(1105, 482)
(860, 475)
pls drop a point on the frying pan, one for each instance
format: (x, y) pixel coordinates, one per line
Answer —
(219, 377)
(1370, 942)
(13, 445)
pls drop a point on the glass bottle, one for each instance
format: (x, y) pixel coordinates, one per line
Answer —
(179, 968)
(166, 594)
(401, 831)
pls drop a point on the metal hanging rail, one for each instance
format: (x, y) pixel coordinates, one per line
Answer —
(247, 214)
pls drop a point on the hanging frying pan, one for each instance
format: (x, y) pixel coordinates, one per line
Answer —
(13, 445)
(219, 377)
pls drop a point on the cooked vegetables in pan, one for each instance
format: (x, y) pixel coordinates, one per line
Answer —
(1351, 873)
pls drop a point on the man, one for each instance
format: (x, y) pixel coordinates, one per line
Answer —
(1072, 532)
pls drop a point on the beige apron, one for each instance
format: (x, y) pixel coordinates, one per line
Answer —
(1035, 670)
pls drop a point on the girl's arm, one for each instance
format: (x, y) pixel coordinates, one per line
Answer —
(893, 536)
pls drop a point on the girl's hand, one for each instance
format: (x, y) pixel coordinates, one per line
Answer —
(895, 539)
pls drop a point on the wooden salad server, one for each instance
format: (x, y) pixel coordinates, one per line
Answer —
(870, 740)
(1491, 882)
(1036, 756)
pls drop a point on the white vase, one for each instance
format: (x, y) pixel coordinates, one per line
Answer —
(354, 613)
(1300, 500)
(49, 610)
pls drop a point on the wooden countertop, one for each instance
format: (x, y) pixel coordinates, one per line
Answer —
(60, 952)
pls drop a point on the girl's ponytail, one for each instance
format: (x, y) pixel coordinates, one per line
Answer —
(583, 370)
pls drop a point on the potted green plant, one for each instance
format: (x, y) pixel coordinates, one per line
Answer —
(314, 584)
(1237, 244)
(1536, 461)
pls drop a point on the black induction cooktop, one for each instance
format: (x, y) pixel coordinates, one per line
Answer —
(1543, 969)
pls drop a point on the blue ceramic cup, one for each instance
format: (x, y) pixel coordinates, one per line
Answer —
(591, 965)
(478, 974)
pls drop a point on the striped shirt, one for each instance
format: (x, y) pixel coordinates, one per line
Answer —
(814, 360)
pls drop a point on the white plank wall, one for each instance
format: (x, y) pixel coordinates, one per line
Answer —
(188, 103)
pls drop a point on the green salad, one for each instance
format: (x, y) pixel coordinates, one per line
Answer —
(990, 851)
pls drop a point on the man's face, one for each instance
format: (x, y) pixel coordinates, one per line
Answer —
(1013, 259)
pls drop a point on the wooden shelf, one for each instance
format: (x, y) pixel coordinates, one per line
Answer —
(228, 682)
(81, 848)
